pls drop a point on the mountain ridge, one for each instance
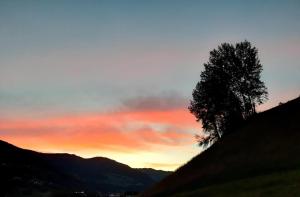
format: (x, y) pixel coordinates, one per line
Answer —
(44, 172)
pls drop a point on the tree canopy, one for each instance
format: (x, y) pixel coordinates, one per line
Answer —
(228, 91)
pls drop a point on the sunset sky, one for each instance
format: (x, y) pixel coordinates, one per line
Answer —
(114, 78)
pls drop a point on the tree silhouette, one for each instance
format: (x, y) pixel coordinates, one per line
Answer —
(228, 91)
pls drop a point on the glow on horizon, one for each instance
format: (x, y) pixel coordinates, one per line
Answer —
(131, 137)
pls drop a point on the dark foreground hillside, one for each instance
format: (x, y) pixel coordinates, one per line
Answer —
(29, 173)
(262, 158)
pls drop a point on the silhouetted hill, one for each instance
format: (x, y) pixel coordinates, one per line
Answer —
(24, 172)
(261, 158)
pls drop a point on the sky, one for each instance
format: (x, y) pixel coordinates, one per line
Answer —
(114, 78)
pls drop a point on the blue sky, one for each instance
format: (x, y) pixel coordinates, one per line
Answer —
(77, 58)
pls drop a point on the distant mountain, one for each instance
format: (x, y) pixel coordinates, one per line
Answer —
(156, 175)
(261, 158)
(29, 173)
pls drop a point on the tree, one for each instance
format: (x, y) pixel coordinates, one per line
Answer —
(228, 91)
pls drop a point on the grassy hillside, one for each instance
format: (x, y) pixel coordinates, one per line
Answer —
(263, 155)
(278, 184)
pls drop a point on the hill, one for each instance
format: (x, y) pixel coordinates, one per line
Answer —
(261, 158)
(29, 173)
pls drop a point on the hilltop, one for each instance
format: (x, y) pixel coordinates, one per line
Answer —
(261, 158)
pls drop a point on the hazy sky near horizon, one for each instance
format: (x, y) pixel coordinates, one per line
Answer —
(114, 78)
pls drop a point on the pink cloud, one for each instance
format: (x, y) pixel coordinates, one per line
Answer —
(106, 131)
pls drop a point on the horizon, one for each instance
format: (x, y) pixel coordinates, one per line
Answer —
(82, 157)
(114, 79)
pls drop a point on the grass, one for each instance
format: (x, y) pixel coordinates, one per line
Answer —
(275, 184)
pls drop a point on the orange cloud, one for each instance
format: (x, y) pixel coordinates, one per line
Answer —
(114, 131)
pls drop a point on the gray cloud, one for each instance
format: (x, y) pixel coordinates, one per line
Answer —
(159, 102)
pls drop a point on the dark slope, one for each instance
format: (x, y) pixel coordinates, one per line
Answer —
(20, 168)
(28, 170)
(268, 143)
